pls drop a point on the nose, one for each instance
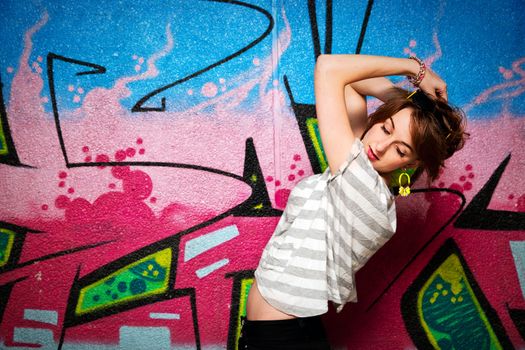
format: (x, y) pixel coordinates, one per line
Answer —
(381, 146)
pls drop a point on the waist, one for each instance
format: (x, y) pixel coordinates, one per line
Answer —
(259, 309)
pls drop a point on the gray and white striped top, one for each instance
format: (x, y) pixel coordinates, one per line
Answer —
(331, 226)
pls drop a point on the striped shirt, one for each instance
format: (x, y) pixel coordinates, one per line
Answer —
(331, 226)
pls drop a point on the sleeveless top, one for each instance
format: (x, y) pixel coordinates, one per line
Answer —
(331, 226)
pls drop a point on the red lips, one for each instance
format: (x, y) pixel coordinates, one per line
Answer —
(371, 155)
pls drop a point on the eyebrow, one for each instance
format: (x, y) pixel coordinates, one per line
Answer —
(403, 142)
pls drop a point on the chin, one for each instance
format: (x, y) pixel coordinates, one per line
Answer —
(380, 171)
(383, 172)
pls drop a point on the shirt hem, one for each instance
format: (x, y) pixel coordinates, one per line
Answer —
(284, 307)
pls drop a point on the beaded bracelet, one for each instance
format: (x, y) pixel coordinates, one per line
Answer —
(416, 80)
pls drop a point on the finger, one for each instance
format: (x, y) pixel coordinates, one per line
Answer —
(431, 93)
(445, 94)
(442, 94)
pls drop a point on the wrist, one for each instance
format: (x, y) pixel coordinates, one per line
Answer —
(413, 67)
(416, 78)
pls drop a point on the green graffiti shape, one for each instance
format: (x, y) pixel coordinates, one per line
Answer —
(450, 312)
(7, 238)
(315, 136)
(246, 285)
(3, 144)
(143, 278)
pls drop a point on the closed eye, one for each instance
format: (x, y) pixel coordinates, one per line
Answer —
(401, 153)
(385, 130)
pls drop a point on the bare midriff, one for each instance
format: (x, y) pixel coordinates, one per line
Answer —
(258, 309)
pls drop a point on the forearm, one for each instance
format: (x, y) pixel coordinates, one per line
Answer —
(375, 87)
(347, 69)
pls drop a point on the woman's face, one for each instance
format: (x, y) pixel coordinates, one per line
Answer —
(389, 144)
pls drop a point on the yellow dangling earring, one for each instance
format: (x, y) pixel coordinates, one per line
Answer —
(404, 190)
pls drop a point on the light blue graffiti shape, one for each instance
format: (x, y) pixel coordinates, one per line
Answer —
(88, 346)
(44, 316)
(518, 252)
(208, 241)
(37, 336)
(153, 338)
(164, 316)
(205, 271)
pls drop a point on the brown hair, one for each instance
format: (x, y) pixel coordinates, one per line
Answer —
(437, 128)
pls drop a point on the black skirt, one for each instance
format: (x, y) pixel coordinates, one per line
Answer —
(299, 333)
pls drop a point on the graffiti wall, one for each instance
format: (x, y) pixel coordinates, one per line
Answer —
(148, 148)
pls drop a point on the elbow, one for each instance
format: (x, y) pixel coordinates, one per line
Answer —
(322, 70)
(328, 69)
(322, 64)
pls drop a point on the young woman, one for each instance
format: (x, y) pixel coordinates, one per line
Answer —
(335, 221)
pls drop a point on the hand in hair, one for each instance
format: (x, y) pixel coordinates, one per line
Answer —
(433, 85)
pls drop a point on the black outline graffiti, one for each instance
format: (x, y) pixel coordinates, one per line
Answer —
(238, 277)
(518, 318)
(364, 26)
(5, 293)
(477, 215)
(312, 14)
(55, 255)
(328, 32)
(302, 112)
(70, 300)
(259, 192)
(51, 57)
(409, 299)
(138, 107)
(173, 243)
(16, 250)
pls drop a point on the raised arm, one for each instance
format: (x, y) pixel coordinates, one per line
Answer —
(334, 74)
(355, 100)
